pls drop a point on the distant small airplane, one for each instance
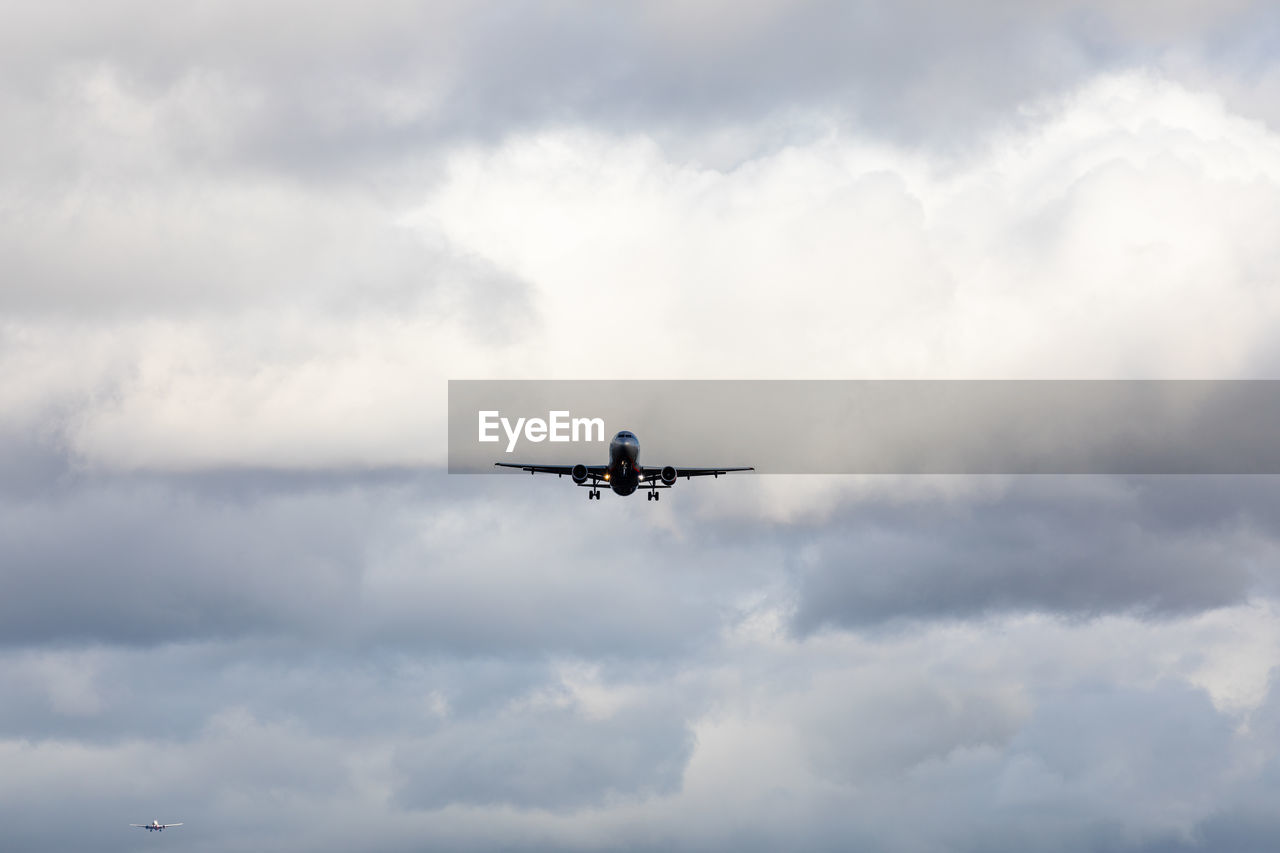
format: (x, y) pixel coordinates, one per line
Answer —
(623, 473)
(154, 825)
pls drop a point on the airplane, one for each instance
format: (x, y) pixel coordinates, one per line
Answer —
(154, 826)
(623, 473)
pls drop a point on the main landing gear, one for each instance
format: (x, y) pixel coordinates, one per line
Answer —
(593, 494)
(653, 495)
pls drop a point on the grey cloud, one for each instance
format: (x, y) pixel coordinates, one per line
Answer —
(1160, 546)
(1110, 769)
(362, 557)
(1246, 831)
(887, 727)
(549, 759)
(300, 752)
(1093, 767)
(248, 745)
(140, 564)
(323, 89)
(916, 70)
(1142, 753)
(99, 695)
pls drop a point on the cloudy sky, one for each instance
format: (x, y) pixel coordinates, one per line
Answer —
(245, 245)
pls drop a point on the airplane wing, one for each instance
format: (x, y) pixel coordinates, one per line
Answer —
(594, 472)
(654, 472)
(167, 825)
(139, 825)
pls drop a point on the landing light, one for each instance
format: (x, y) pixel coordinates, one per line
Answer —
(606, 476)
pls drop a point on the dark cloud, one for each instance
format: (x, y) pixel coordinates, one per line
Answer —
(416, 559)
(424, 560)
(913, 743)
(139, 563)
(1073, 545)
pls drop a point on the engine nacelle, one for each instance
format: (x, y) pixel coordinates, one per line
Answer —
(579, 474)
(668, 476)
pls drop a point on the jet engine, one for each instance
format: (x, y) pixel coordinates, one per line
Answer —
(579, 474)
(668, 476)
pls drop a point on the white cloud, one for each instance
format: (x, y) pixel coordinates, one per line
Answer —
(1126, 233)
(1121, 235)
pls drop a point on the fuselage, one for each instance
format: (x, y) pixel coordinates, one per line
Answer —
(624, 470)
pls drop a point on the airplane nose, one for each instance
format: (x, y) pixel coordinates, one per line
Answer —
(628, 446)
